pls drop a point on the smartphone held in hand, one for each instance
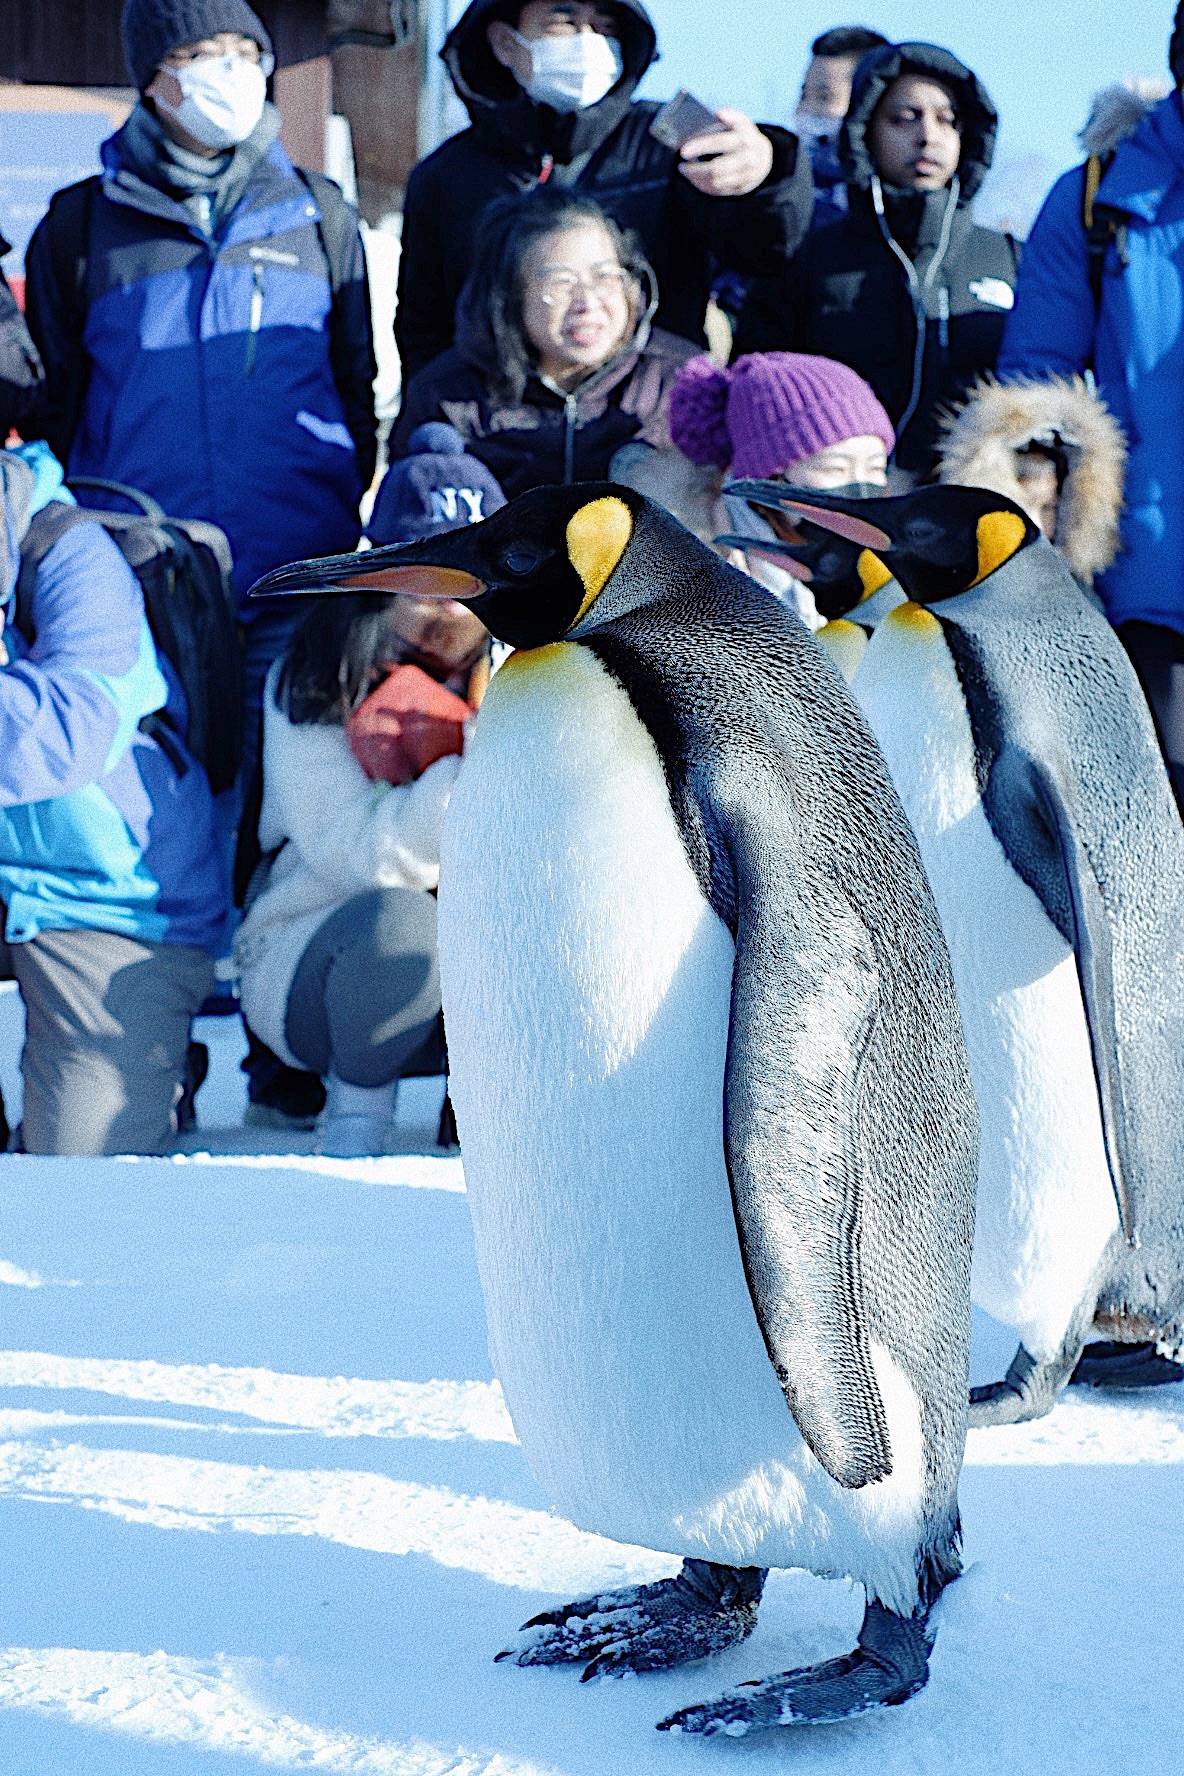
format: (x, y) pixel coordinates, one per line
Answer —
(682, 119)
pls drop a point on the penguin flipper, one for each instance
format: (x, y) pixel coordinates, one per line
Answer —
(1015, 774)
(889, 1664)
(806, 985)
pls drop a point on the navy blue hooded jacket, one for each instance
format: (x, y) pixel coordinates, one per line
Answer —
(228, 375)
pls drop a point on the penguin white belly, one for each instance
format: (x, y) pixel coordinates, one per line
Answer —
(587, 987)
(1046, 1207)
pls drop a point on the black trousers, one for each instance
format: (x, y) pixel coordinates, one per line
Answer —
(1157, 655)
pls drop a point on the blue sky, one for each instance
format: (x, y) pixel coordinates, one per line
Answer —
(1040, 61)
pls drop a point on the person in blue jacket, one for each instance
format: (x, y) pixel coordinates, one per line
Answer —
(1126, 323)
(110, 882)
(203, 314)
(202, 311)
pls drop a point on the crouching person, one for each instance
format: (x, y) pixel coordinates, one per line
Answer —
(363, 724)
(109, 873)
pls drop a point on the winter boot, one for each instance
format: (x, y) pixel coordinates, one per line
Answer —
(356, 1119)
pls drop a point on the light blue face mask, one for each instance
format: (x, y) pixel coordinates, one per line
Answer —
(570, 73)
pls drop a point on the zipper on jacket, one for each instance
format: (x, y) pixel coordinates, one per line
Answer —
(943, 317)
(919, 290)
(256, 319)
(571, 419)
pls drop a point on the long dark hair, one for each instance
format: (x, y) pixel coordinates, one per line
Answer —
(489, 313)
(341, 649)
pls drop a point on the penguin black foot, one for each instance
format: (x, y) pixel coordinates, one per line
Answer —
(706, 1609)
(890, 1663)
(1108, 1365)
(1028, 1390)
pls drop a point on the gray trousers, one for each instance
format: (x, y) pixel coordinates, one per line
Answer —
(106, 1029)
(366, 993)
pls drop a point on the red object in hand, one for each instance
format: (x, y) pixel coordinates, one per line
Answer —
(406, 724)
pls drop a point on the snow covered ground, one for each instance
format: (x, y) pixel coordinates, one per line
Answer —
(262, 1508)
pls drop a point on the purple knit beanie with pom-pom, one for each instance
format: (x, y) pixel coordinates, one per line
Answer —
(769, 410)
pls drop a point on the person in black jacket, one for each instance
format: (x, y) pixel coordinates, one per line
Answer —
(904, 288)
(549, 88)
(556, 364)
(22, 380)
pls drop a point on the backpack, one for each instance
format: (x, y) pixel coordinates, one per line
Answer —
(183, 567)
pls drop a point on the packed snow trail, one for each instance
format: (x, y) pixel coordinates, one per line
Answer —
(262, 1509)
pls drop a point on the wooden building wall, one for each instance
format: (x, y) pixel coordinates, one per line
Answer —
(372, 76)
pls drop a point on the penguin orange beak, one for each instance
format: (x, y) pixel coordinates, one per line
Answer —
(433, 568)
(785, 506)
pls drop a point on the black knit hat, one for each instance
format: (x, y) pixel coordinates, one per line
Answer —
(1176, 46)
(152, 28)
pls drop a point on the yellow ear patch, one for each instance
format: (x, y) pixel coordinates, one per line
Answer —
(597, 537)
(998, 535)
(872, 573)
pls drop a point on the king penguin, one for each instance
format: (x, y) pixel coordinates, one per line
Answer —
(1020, 741)
(716, 1116)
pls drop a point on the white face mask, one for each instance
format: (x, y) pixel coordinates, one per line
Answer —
(572, 72)
(222, 98)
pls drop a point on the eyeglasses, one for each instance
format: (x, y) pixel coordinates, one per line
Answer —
(210, 49)
(557, 286)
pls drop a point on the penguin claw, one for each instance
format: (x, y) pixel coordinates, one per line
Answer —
(890, 1664)
(645, 1627)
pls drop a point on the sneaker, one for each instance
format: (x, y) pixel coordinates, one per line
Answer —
(356, 1121)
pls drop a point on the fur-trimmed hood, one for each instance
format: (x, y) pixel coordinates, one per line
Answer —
(1117, 111)
(983, 436)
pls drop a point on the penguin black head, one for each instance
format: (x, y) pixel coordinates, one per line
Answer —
(531, 572)
(840, 573)
(935, 541)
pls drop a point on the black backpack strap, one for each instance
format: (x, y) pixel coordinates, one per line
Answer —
(336, 225)
(351, 345)
(69, 221)
(45, 528)
(1101, 225)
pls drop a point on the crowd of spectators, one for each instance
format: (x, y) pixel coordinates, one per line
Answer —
(198, 329)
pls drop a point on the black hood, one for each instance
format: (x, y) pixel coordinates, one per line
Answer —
(498, 106)
(874, 75)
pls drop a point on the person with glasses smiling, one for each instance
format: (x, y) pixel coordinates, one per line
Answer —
(557, 364)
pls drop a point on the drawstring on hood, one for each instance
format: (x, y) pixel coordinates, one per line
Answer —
(921, 287)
